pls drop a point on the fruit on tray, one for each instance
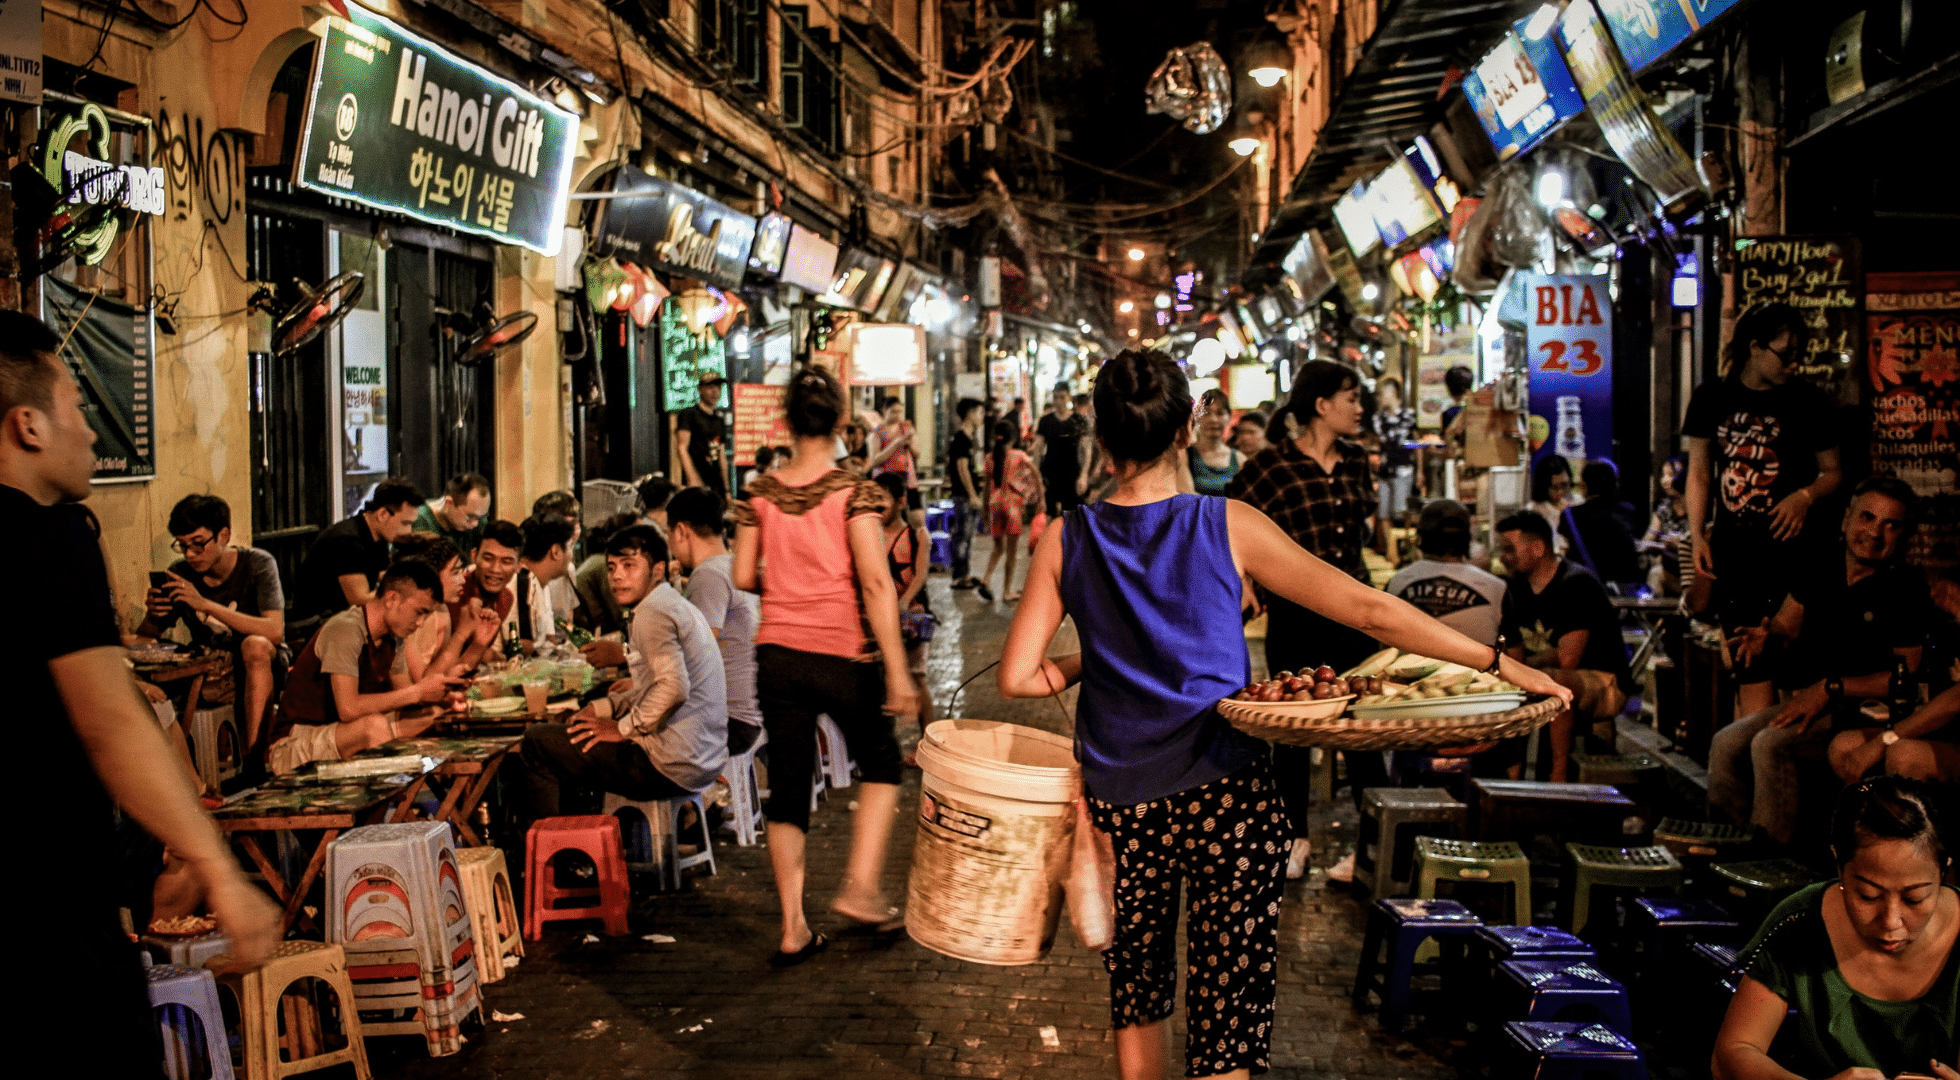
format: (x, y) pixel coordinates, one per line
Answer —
(1319, 684)
(1438, 679)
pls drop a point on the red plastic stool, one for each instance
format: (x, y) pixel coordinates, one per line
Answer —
(597, 835)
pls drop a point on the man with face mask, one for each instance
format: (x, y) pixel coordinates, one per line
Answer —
(1838, 634)
(339, 700)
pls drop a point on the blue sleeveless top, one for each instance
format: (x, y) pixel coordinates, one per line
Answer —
(1155, 600)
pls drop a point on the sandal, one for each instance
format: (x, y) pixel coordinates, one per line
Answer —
(781, 959)
(891, 922)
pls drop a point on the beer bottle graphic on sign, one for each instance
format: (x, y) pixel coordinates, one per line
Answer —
(1571, 429)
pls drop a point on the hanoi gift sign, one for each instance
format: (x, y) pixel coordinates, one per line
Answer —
(398, 123)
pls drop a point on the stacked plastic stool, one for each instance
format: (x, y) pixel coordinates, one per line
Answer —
(744, 795)
(597, 836)
(1492, 945)
(493, 910)
(315, 1037)
(833, 754)
(192, 1023)
(1391, 821)
(655, 845)
(1567, 1051)
(1757, 887)
(1696, 844)
(1647, 870)
(1666, 926)
(1397, 928)
(1546, 989)
(396, 905)
(1502, 864)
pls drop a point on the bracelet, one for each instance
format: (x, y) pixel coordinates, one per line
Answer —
(1496, 656)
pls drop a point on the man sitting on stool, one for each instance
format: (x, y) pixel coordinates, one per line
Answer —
(661, 734)
(338, 700)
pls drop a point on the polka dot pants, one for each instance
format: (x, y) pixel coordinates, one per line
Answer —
(1225, 842)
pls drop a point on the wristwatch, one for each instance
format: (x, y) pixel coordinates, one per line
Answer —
(1834, 687)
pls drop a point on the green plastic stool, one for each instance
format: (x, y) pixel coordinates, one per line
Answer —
(1759, 886)
(1647, 869)
(1616, 769)
(1498, 863)
(1702, 839)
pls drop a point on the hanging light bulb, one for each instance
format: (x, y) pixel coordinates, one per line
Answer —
(1127, 306)
(1136, 254)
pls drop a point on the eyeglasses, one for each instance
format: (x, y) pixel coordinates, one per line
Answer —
(192, 547)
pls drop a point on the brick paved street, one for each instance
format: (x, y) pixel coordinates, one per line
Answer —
(709, 1006)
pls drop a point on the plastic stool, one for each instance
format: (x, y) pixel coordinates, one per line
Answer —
(1718, 960)
(1530, 943)
(833, 754)
(657, 849)
(1549, 987)
(1391, 819)
(1616, 769)
(598, 837)
(493, 910)
(1463, 860)
(191, 952)
(261, 992)
(1698, 843)
(199, 1030)
(1413, 768)
(1515, 809)
(1567, 1051)
(1642, 868)
(1401, 925)
(1669, 925)
(217, 748)
(744, 795)
(1759, 886)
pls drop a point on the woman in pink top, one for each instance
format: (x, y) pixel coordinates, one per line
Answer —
(891, 450)
(811, 539)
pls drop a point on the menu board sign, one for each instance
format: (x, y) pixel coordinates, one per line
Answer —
(685, 357)
(761, 419)
(107, 349)
(402, 124)
(1620, 109)
(1817, 275)
(1912, 324)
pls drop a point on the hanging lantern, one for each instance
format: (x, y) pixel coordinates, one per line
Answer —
(626, 289)
(735, 309)
(1417, 273)
(648, 293)
(700, 308)
(603, 278)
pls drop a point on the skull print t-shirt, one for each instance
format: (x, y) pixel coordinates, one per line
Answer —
(1762, 445)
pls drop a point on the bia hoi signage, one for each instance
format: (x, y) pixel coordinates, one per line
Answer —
(1569, 342)
(400, 124)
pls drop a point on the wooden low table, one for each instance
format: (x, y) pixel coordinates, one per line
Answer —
(1509, 809)
(467, 763)
(304, 802)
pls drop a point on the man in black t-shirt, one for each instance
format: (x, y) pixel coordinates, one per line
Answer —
(1558, 619)
(1762, 449)
(963, 479)
(343, 565)
(1061, 445)
(701, 436)
(85, 739)
(1840, 630)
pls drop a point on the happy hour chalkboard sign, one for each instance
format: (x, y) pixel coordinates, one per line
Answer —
(1819, 276)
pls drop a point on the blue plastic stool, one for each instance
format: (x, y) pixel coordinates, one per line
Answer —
(1549, 987)
(1667, 925)
(1401, 924)
(1502, 943)
(1565, 1051)
(195, 1026)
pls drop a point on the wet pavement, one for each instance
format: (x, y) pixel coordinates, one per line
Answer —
(708, 1004)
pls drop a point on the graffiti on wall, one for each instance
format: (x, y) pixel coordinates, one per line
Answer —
(205, 171)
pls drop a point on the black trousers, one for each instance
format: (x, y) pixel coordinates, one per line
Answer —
(1301, 639)
(795, 688)
(547, 762)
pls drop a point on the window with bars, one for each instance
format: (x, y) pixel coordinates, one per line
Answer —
(732, 39)
(809, 87)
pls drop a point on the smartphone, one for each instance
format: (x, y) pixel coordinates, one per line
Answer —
(159, 579)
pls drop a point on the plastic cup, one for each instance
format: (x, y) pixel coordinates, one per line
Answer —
(535, 693)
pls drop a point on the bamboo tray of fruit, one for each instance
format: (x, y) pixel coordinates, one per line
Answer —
(1367, 708)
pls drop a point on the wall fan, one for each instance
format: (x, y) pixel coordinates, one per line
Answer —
(317, 310)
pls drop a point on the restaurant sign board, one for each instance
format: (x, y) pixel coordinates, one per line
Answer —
(107, 349)
(399, 123)
(1819, 276)
(686, 358)
(661, 224)
(1620, 108)
(1912, 324)
(1569, 350)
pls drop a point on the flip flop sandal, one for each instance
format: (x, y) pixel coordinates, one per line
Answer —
(781, 959)
(893, 921)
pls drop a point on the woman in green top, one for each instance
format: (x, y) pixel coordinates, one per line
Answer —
(1864, 967)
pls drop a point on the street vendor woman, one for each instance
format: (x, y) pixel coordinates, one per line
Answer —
(1160, 768)
(339, 700)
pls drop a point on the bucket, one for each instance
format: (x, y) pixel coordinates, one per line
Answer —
(994, 840)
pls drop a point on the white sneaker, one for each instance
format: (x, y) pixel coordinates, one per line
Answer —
(1342, 871)
(1296, 860)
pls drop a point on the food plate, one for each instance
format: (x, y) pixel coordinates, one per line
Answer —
(1461, 705)
(498, 706)
(156, 654)
(1320, 709)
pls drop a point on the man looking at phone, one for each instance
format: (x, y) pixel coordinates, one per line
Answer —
(229, 595)
(339, 700)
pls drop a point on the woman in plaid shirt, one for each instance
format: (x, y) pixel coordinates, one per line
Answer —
(1319, 489)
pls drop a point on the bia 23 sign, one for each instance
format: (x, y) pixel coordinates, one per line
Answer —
(1569, 350)
(399, 123)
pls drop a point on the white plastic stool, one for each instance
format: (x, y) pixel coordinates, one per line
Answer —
(195, 991)
(191, 952)
(744, 798)
(216, 745)
(833, 754)
(663, 836)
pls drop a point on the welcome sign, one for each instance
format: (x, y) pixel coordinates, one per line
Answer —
(399, 123)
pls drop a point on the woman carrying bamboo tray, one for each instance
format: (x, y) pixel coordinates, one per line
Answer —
(1152, 579)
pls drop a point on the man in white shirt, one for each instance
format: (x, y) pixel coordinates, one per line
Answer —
(1443, 584)
(695, 532)
(546, 558)
(660, 734)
